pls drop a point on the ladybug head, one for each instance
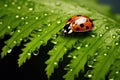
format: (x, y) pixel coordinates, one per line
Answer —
(67, 29)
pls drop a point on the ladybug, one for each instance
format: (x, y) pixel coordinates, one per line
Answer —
(78, 23)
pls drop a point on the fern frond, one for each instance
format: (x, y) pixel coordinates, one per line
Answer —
(39, 20)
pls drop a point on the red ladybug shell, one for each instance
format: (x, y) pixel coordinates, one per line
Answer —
(80, 23)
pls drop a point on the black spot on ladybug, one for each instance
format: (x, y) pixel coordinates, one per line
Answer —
(81, 25)
(77, 29)
(87, 27)
(78, 15)
(69, 19)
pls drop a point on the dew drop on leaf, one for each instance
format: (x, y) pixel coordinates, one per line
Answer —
(31, 9)
(40, 30)
(58, 22)
(36, 17)
(100, 34)
(9, 50)
(26, 22)
(86, 45)
(45, 14)
(14, 42)
(54, 41)
(55, 63)
(106, 27)
(38, 35)
(29, 54)
(71, 69)
(13, 3)
(67, 67)
(113, 36)
(111, 79)
(36, 52)
(41, 41)
(89, 75)
(117, 72)
(8, 27)
(108, 47)
(74, 57)
(19, 7)
(5, 5)
(93, 35)
(17, 16)
(21, 39)
(116, 43)
(22, 18)
(105, 54)
(1, 22)
(18, 30)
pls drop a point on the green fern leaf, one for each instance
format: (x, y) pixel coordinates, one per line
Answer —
(38, 21)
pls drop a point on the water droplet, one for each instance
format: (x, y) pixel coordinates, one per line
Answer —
(93, 35)
(52, 11)
(58, 4)
(58, 22)
(31, 9)
(89, 75)
(55, 63)
(38, 35)
(9, 51)
(48, 24)
(1, 22)
(74, 57)
(36, 18)
(22, 18)
(45, 14)
(19, 7)
(9, 27)
(21, 39)
(71, 69)
(94, 60)
(55, 48)
(26, 17)
(29, 54)
(26, 22)
(67, 67)
(40, 30)
(69, 56)
(5, 5)
(106, 27)
(108, 47)
(117, 72)
(113, 36)
(65, 49)
(36, 52)
(41, 41)
(111, 79)
(17, 16)
(13, 3)
(116, 43)
(96, 54)
(100, 34)
(54, 41)
(86, 45)
(14, 42)
(105, 54)
(18, 30)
